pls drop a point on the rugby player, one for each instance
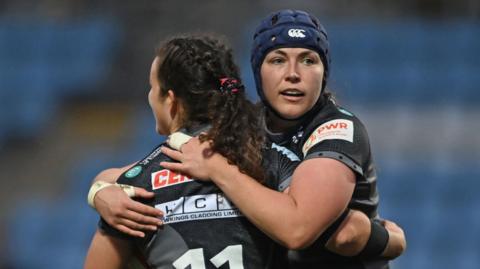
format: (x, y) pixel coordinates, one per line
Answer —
(194, 88)
(291, 63)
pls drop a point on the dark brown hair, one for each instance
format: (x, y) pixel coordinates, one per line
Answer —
(192, 66)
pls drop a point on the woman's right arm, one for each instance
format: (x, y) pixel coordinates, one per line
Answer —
(107, 252)
(350, 239)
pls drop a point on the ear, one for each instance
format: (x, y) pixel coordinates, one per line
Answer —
(172, 103)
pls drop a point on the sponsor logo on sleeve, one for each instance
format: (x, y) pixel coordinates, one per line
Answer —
(165, 178)
(133, 172)
(335, 129)
(150, 157)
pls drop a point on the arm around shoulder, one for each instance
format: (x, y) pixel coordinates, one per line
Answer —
(319, 193)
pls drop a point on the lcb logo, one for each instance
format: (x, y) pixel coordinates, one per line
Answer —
(300, 33)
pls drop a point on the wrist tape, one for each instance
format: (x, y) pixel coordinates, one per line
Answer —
(99, 185)
(377, 242)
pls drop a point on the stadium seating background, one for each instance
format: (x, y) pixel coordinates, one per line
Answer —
(73, 84)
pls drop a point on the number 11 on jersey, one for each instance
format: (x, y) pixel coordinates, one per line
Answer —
(195, 259)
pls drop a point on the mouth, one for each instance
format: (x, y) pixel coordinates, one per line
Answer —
(292, 93)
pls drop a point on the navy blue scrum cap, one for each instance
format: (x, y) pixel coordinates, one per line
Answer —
(288, 29)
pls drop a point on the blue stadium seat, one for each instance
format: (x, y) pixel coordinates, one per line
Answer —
(437, 205)
(42, 62)
(413, 62)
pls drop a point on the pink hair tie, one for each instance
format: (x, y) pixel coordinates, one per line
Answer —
(230, 85)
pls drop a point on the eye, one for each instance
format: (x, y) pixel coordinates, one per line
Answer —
(276, 60)
(309, 60)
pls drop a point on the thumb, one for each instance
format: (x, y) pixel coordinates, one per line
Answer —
(142, 193)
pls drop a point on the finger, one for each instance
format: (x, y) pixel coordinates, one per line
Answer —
(142, 219)
(195, 142)
(135, 226)
(128, 189)
(129, 231)
(176, 155)
(178, 167)
(142, 193)
(144, 209)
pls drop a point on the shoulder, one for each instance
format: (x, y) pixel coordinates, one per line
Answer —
(333, 123)
(142, 170)
(332, 112)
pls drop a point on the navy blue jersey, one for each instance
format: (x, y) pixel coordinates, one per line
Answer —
(203, 229)
(335, 133)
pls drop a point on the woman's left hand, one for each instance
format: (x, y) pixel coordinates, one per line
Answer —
(397, 243)
(193, 159)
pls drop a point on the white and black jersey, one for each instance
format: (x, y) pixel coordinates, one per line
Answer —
(203, 229)
(335, 133)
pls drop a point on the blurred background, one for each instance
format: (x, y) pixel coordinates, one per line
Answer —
(73, 100)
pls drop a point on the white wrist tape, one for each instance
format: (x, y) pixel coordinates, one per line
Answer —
(96, 187)
(177, 139)
(99, 185)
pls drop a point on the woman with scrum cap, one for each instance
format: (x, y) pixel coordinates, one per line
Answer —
(291, 64)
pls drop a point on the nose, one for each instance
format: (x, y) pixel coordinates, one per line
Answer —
(292, 73)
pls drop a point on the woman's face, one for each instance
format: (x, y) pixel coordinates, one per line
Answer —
(292, 80)
(161, 105)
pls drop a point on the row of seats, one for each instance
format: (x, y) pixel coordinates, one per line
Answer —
(414, 62)
(436, 204)
(410, 62)
(43, 62)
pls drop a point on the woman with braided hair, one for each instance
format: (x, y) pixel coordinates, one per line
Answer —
(194, 88)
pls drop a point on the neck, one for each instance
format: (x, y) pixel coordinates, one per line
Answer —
(175, 127)
(277, 124)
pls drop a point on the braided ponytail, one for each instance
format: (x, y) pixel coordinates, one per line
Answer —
(201, 72)
(236, 131)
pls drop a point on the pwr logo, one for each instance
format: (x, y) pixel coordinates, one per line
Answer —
(165, 178)
(298, 33)
(334, 129)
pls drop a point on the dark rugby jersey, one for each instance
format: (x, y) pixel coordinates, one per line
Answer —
(335, 133)
(203, 229)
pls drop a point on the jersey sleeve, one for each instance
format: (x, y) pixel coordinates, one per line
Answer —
(342, 139)
(279, 166)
